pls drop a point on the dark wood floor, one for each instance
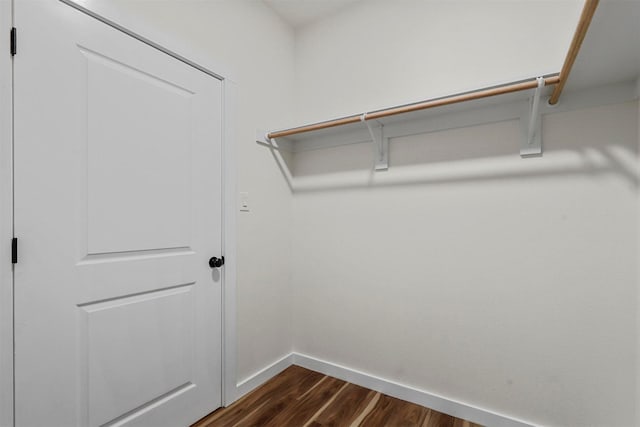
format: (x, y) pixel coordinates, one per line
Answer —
(302, 398)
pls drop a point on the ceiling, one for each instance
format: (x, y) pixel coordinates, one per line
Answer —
(610, 53)
(298, 13)
(611, 49)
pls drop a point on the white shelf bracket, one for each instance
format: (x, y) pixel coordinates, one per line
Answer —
(532, 128)
(380, 143)
(262, 138)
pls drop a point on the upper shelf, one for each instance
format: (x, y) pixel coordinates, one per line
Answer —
(558, 80)
(389, 114)
(610, 52)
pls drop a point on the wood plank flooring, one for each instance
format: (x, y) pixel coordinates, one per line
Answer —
(299, 397)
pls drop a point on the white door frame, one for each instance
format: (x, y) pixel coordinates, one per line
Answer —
(229, 236)
(6, 217)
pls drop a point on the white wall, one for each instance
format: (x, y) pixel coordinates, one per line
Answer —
(638, 288)
(246, 39)
(468, 272)
(465, 271)
(379, 53)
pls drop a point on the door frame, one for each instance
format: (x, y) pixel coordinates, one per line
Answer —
(6, 218)
(229, 221)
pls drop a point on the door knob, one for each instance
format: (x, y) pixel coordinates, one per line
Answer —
(215, 262)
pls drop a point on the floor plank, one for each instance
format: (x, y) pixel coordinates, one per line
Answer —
(278, 392)
(406, 414)
(304, 409)
(348, 406)
(298, 397)
(390, 411)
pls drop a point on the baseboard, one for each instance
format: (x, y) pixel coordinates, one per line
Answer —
(410, 394)
(391, 388)
(262, 376)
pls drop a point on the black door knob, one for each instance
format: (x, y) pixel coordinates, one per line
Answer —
(215, 262)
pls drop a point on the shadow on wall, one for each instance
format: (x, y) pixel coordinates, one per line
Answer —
(574, 143)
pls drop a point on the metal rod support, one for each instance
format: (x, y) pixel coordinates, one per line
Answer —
(535, 111)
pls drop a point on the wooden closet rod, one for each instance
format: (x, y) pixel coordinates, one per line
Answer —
(581, 31)
(455, 99)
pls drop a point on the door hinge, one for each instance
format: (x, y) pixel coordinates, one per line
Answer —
(14, 250)
(14, 41)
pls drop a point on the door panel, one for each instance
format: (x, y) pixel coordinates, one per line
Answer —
(135, 119)
(140, 346)
(118, 209)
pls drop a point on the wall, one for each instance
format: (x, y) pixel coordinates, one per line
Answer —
(468, 272)
(248, 41)
(379, 53)
(638, 289)
(465, 271)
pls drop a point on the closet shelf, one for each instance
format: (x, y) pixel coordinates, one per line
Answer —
(521, 100)
(530, 119)
(418, 106)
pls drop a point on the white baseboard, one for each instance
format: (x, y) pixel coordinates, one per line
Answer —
(261, 377)
(410, 394)
(391, 388)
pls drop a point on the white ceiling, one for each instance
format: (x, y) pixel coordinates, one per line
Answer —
(302, 12)
(611, 50)
(610, 53)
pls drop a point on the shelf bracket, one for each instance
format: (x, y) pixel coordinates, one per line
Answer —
(280, 144)
(532, 138)
(262, 138)
(380, 143)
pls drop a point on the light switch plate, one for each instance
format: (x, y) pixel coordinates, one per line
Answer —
(244, 201)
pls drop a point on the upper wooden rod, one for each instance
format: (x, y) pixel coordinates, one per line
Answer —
(470, 96)
(581, 31)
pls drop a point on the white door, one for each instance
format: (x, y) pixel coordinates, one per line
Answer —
(117, 212)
